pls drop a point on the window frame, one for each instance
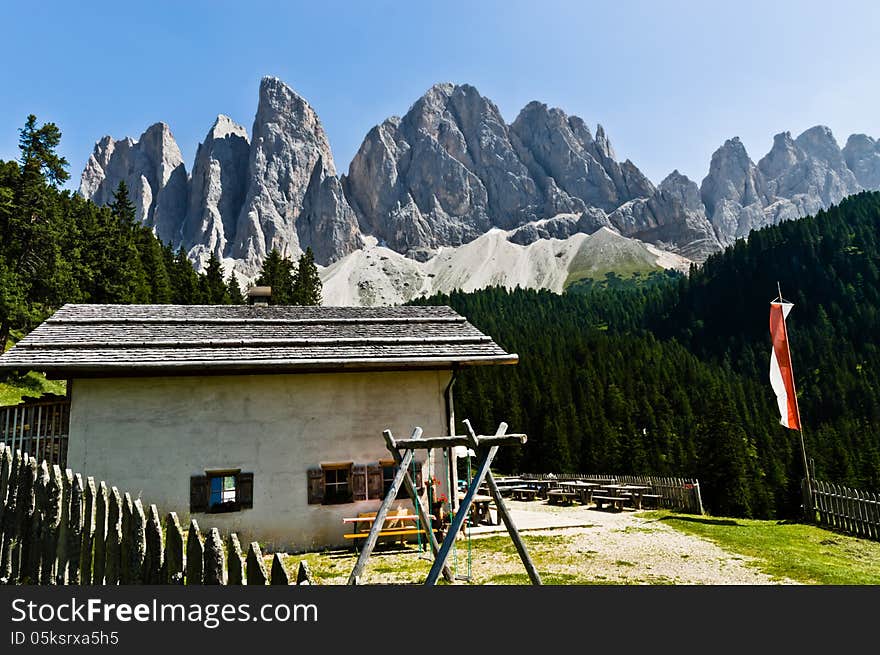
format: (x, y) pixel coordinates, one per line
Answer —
(335, 497)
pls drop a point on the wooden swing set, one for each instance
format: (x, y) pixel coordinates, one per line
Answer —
(403, 452)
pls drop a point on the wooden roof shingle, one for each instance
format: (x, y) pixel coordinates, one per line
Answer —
(118, 340)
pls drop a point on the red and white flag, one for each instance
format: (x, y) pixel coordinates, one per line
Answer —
(781, 375)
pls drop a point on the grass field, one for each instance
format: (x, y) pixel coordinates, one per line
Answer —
(783, 550)
(13, 389)
(804, 553)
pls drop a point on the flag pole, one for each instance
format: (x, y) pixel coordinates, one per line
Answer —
(808, 496)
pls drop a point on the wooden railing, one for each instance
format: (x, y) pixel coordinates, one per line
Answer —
(675, 493)
(38, 427)
(848, 510)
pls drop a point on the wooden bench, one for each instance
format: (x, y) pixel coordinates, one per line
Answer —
(612, 501)
(653, 499)
(560, 497)
(394, 526)
(523, 493)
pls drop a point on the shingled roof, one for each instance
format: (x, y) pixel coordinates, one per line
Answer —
(116, 340)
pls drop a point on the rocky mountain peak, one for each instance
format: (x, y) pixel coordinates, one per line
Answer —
(152, 168)
(862, 155)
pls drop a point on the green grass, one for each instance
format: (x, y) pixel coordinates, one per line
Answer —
(804, 553)
(14, 388)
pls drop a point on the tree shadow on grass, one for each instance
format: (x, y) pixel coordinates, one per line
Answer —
(696, 519)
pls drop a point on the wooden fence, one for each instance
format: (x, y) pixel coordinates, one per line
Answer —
(57, 527)
(38, 427)
(675, 493)
(848, 510)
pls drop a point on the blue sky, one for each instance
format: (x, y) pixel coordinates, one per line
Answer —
(670, 81)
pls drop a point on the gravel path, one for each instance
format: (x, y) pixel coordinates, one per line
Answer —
(623, 547)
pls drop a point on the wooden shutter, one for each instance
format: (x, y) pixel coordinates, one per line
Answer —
(359, 482)
(316, 486)
(244, 490)
(374, 481)
(199, 492)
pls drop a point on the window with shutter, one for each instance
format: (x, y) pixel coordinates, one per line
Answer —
(337, 483)
(198, 493)
(316, 486)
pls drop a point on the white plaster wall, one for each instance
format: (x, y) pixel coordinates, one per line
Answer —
(148, 435)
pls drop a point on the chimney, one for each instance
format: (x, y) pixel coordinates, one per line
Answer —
(259, 295)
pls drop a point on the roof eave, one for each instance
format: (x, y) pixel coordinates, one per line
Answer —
(232, 367)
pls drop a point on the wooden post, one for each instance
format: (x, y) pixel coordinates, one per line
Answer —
(88, 533)
(51, 525)
(74, 531)
(153, 552)
(173, 550)
(698, 499)
(462, 514)
(279, 575)
(195, 553)
(256, 569)
(64, 527)
(214, 562)
(392, 447)
(125, 544)
(5, 473)
(25, 517)
(233, 560)
(511, 529)
(100, 538)
(304, 574)
(113, 545)
(138, 548)
(10, 525)
(376, 528)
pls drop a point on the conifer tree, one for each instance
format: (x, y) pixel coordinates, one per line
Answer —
(233, 290)
(307, 286)
(214, 289)
(277, 272)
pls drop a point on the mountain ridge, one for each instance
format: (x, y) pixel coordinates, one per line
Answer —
(448, 171)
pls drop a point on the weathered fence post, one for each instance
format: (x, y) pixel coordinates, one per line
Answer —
(41, 502)
(88, 532)
(5, 474)
(100, 538)
(304, 574)
(125, 545)
(279, 575)
(10, 526)
(75, 528)
(214, 561)
(256, 569)
(138, 543)
(24, 517)
(173, 550)
(195, 553)
(153, 555)
(233, 560)
(51, 525)
(113, 546)
(64, 527)
(698, 499)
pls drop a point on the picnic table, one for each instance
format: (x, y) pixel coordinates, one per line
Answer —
(397, 524)
(480, 510)
(636, 492)
(523, 493)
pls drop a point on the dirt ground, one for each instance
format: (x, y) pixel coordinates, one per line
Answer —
(569, 545)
